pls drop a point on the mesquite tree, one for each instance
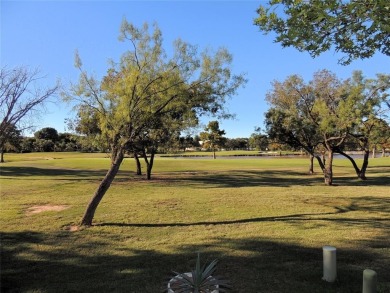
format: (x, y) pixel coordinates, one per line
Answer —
(358, 29)
(366, 113)
(327, 112)
(145, 86)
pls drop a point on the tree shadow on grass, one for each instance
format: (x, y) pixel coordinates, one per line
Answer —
(243, 178)
(370, 181)
(343, 215)
(224, 179)
(253, 265)
(255, 178)
(23, 172)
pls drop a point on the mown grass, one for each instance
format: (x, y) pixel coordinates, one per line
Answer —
(266, 220)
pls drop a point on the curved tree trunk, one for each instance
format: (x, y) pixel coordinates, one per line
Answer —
(102, 189)
(138, 164)
(361, 173)
(320, 162)
(311, 167)
(328, 171)
(150, 166)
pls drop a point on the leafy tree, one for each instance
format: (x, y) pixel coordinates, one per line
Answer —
(358, 29)
(27, 144)
(258, 140)
(150, 140)
(20, 101)
(185, 142)
(67, 142)
(381, 136)
(237, 143)
(144, 87)
(163, 133)
(86, 124)
(13, 141)
(43, 145)
(366, 98)
(213, 137)
(292, 119)
(47, 133)
(197, 141)
(327, 112)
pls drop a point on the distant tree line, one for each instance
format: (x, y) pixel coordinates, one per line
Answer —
(45, 140)
(48, 139)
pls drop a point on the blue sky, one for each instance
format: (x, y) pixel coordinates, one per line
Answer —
(45, 35)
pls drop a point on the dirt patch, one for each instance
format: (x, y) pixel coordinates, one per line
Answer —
(45, 208)
(74, 228)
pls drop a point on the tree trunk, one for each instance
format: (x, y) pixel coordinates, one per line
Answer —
(2, 155)
(138, 164)
(102, 189)
(361, 173)
(373, 152)
(320, 162)
(328, 171)
(150, 166)
(311, 167)
(214, 156)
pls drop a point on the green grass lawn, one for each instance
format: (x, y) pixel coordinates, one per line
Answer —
(265, 219)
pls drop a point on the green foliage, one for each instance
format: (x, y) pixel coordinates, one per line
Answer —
(357, 29)
(47, 133)
(325, 110)
(150, 94)
(10, 139)
(236, 143)
(258, 140)
(44, 145)
(213, 137)
(328, 113)
(292, 118)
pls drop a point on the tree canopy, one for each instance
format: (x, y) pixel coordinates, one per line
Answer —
(357, 29)
(149, 89)
(213, 136)
(326, 113)
(47, 133)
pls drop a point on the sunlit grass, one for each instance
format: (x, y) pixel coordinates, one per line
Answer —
(265, 219)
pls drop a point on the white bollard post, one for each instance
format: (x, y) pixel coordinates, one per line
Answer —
(329, 263)
(369, 281)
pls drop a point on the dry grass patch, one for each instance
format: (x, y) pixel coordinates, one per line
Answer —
(45, 208)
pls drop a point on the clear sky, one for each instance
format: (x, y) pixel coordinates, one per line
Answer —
(45, 35)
